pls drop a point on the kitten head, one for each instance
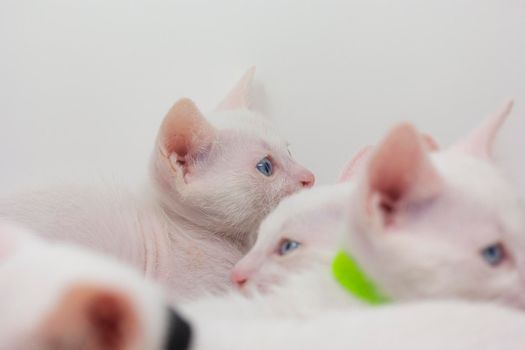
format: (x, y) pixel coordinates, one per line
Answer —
(442, 224)
(300, 232)
(227, 170)
(56, 296)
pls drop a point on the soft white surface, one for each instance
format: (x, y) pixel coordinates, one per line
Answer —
(84, 84)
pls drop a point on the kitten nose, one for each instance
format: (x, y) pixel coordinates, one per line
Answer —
(307, 179)
(238, 278)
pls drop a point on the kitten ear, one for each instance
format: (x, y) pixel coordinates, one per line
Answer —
(184, 131)
(239, 96)
(480, 141)
(13, 237)
(430, 142)
(94, 317)
(400, 172)
(8, 240)
(355, 165)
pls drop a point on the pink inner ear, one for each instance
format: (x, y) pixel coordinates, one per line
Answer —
(401, 170)
(479, 142)
(353, 166)
(112, 320)
(93, 316)
(239, 97)
(184, 129)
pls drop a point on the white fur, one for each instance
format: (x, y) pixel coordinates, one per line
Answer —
(34, 275)
(314, 218)
(187, 234)
(434, 249)
(428, 326)
(433, 253)
(430, 249)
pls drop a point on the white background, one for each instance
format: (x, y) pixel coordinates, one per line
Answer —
(84, 84)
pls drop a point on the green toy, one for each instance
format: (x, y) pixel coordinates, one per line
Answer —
(350, 276)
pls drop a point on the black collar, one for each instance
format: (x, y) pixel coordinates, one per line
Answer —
(179, 332)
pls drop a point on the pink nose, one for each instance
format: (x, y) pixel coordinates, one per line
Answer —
(238, 278)
(307, 179)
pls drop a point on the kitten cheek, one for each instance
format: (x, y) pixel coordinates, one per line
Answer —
(290, 189)
(266, 283)
(262, 287)
(519, 265)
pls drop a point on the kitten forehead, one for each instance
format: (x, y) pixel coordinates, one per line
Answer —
(305, 207)
(250, 123)
(477, 205)
(479, 178)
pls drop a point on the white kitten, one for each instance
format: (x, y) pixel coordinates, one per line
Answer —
(213, 180)
(59, 296)
(302, 231)
(440, 224)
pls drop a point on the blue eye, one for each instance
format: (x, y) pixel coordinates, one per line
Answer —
(493, 254)
(265, 166)
(287, 246)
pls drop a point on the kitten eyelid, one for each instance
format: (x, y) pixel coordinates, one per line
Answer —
(277, 250)
(505, 256)
(266, 167)
(272, 160)
(282, 241)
